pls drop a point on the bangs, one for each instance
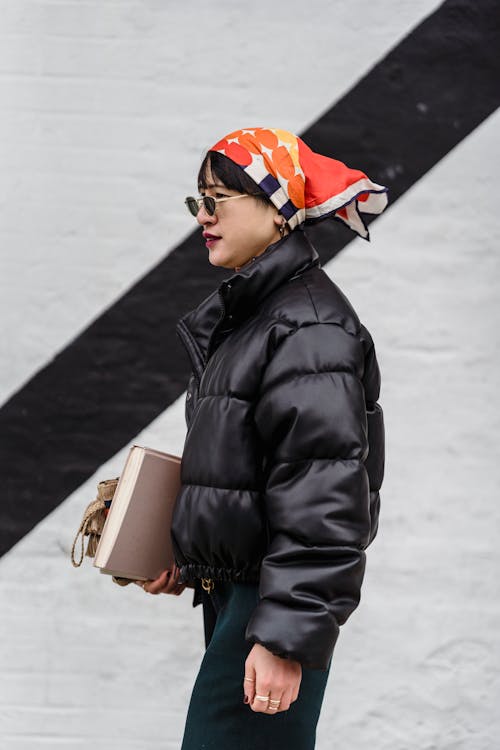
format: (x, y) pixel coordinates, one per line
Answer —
(218, 166)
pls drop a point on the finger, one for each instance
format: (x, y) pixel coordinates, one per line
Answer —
(281, 703)
(260, 702)
(173, 586)
(175, 589)
(249, 684)
(295, 691)
(274, 703)
(248, 689)
(169, 585)
(176, 573)
(172, 583)
(180, 588)
(261, 696)
(154, 587)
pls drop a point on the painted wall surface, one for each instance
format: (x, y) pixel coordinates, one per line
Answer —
(109, 107)
(106, 110)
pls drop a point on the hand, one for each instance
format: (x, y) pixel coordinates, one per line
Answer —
(271, 676)
(166, 583)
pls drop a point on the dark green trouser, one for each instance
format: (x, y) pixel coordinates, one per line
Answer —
(217, 717)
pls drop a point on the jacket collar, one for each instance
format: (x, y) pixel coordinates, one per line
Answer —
(241, 293)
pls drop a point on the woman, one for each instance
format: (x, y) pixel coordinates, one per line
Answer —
(284, 452)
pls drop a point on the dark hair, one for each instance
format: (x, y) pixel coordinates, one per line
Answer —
(231, 175)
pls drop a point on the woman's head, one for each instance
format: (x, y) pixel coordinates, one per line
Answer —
(284, 184)
(238, 230)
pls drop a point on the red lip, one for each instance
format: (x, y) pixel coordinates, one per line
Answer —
(210, 239)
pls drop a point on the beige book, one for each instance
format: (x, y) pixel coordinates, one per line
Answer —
(135, 541)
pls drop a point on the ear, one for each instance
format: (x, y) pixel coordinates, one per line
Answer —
(279, 220)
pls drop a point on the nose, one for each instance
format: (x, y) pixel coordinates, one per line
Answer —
(203, 217)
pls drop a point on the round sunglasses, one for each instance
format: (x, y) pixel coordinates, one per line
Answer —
(209, 203)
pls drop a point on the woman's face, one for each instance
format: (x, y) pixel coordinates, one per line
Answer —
(240, 229)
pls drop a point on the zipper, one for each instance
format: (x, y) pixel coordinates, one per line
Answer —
(191, 345)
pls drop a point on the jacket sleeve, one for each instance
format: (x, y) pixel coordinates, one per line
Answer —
(311, 416)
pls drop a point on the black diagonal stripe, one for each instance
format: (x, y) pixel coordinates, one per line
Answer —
(411, 109)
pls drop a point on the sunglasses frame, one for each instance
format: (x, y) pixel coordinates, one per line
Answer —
(209, 203)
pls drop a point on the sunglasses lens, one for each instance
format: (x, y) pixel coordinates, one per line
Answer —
(209, 204)
(192, 205)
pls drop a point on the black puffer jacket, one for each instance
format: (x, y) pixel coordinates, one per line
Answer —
(284, 454)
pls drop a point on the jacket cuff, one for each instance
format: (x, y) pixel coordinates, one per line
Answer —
(307, 637)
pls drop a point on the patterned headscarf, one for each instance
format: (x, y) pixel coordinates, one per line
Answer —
(304, 186)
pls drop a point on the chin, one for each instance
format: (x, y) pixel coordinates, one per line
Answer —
(219, 262)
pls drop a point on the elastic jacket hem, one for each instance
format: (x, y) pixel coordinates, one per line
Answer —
(193, 570)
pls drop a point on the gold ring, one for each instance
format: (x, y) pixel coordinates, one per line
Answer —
(248, 679)
(274, 703)
(262, 698)
(272, 708)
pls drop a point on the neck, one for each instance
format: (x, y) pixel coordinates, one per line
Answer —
(278, 238)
